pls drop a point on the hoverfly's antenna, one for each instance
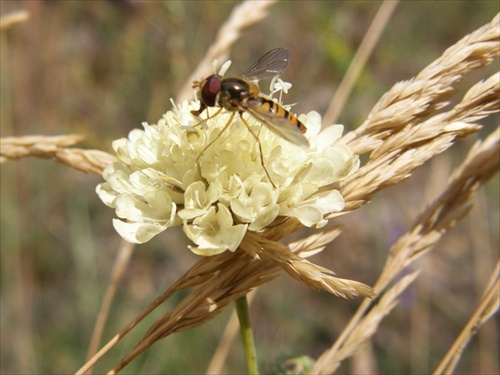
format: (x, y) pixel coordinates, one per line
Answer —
(196, 84)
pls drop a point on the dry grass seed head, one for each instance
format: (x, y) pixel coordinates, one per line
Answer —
(481, 163)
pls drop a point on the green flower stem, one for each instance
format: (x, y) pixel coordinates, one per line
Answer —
(247, 335)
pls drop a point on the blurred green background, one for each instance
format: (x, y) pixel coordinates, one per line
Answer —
(101, 68)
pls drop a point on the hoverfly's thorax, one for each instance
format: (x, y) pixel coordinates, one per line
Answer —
(235, 87)
(254, 90)
(233, 92)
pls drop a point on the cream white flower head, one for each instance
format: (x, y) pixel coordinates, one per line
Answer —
(157, 184)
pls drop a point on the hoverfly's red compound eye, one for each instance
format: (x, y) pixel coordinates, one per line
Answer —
(210, 90)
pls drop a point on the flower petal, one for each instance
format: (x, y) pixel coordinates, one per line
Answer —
(137, 232)
(214, 232)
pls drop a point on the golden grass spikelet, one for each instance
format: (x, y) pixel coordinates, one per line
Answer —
(481, 163)
(395, 159)
(54, 148)
(314, 276)
(407, 102)
(315, 242)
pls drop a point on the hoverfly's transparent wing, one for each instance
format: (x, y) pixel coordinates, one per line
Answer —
(278, 121)
(272, 64)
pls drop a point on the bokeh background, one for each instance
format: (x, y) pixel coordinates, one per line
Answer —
(101, 68)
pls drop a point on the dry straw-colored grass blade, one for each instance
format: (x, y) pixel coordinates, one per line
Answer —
(12, 19)
(359, 60)
(363, 330)
(488, 306)
(482, 162)
(55, 148)
(120, 267)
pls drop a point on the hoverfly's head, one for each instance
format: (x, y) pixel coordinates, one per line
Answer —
(208, 89)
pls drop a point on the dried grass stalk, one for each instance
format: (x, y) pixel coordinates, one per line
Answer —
(54, 148)
(12, 19)
(364, 51)
(488, 306)
(481, 163)
(365, 328)
(120, 266)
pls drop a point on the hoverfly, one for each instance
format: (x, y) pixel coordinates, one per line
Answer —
(241, 94)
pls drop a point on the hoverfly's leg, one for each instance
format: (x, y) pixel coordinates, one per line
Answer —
(211, 143)
(208, 117)
(260, 149)
(197, 112)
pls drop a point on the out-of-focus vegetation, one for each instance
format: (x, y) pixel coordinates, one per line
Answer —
(101, 68)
